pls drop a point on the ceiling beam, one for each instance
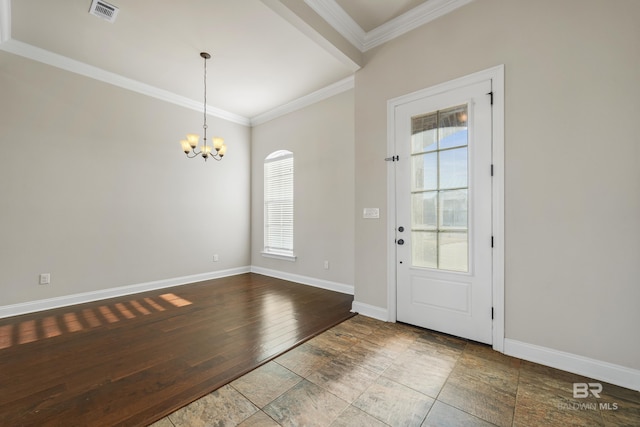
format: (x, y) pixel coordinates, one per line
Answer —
(330, 11)
(307, 21)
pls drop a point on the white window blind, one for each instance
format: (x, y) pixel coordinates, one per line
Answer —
(278, 203)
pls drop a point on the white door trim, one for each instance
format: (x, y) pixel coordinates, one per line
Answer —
(496, 74)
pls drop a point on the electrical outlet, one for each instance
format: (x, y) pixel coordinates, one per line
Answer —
(45, 278)
(216, 258)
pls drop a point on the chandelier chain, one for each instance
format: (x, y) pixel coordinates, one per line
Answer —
(205, 100)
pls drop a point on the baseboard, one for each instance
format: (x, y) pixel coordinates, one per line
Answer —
(597, 369)
(370, 311)
(591, 368)
(305, 280)
(603, 371)
(47, 304)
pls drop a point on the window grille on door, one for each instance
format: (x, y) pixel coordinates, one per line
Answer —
(440, 190)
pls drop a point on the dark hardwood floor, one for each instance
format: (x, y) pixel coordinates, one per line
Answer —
(132, 360)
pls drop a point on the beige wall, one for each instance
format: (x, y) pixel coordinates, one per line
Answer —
(94, 188)
(572, 186)
(321, 138)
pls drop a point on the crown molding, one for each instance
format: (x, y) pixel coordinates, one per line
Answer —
(65, 63)
(331, 12)
(59, 61)
(317, 96)
(5, 20)
(44, 56)
(340, 20)
(411, 20)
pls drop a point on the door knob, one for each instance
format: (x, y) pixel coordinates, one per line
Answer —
(400, 241)
(401, 229)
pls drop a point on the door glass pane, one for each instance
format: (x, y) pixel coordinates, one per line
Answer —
(453, 210)
(453, 168)
(452, 127)
(425, 171)
(424, 133)
(453, 251)
(424, 248)
(440, 193)
(424, 210)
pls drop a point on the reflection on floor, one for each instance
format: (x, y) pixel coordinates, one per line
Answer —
(368, 373)
(27, 331)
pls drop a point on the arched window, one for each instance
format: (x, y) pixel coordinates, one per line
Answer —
(278, 205)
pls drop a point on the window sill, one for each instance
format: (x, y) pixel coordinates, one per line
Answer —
(291, 258)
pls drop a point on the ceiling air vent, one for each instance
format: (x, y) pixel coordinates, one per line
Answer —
(104, 10)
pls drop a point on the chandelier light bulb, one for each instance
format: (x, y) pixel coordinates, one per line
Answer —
(186, 147)
(193, 139)
(218, 142)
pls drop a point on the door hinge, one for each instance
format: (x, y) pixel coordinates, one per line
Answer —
(392, 159)
(491, 95)
(491, 241)
(491, 313)
(492, 169)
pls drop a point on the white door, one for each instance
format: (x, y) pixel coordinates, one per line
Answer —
(443, 212)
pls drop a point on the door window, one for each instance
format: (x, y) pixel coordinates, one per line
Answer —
(440, 189)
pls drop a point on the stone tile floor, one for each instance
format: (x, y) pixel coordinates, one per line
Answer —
(368, 373)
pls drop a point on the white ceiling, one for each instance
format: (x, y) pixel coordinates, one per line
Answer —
(265, 53)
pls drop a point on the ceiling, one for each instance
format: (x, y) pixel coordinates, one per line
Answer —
(370, 14)
(266, 54)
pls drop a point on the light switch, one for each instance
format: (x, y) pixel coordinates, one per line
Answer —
(371, 213)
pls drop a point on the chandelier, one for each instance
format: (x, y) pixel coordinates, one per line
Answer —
(218, 148)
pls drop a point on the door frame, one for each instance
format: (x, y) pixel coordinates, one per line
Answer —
(496, 74)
